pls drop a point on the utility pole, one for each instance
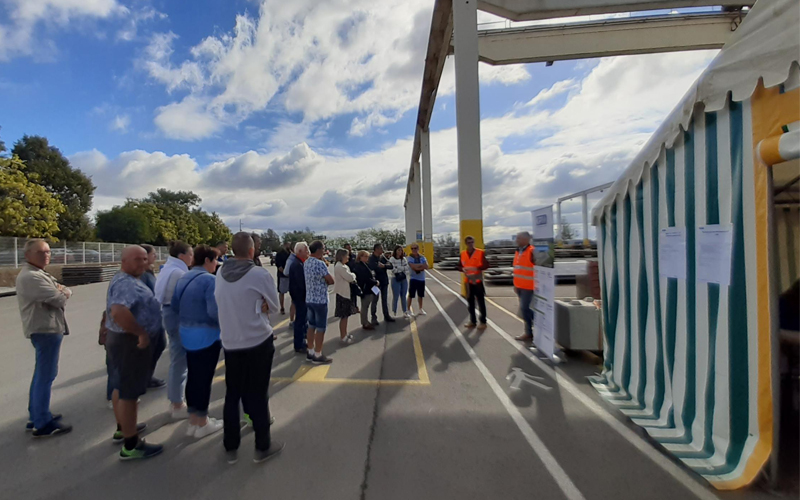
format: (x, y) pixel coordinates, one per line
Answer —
(240, 225)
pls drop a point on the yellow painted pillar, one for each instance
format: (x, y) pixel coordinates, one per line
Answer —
(470, 191)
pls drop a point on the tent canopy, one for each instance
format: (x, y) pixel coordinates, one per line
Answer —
(527, 10)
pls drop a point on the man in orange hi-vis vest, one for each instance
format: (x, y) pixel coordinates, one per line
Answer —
(524, 282)
(472, 263)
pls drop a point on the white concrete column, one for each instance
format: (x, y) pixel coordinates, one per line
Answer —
(470, 192)
(414, 207)
(585, 207)
(427, 213)
(558, 221)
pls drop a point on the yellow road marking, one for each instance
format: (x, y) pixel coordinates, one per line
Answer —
(319, 374)
(422, 370)
(513, 315)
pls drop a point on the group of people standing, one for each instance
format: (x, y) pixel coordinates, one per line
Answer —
(202, 314)
(304, 275)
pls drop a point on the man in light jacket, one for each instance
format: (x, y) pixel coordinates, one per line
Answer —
(41, 305)
(245, 295)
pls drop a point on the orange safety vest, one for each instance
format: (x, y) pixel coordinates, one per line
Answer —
(523, 269)
(472, 265)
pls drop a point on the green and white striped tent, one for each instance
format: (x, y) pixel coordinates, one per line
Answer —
(691, 362)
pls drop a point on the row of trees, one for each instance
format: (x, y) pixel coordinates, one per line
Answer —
(43, 196)
(271, 241)
(161, 217)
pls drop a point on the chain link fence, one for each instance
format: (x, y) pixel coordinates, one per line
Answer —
(68, 252)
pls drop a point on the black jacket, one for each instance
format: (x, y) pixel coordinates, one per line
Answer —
(280, 260)
(351, 262)
(381, 274)
(297, 281)
(365, 278)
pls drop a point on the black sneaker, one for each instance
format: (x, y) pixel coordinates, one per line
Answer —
(309, 356)
(142, 451)
(375, 322)
(156, 383)
(30, 428)
(301, 351)
(389, 319)
(118, 438)
(322, 360)
(275, 448)
(232, 456)
(54, 428)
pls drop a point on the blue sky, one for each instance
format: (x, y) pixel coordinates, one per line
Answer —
(293, 114)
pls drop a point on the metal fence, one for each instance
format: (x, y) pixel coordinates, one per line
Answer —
(68, 252)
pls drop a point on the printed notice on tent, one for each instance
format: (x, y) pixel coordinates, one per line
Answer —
(672, 252)
(714, 247)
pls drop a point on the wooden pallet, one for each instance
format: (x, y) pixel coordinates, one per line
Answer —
(82, 275)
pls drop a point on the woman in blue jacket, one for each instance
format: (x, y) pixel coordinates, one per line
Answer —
(194, 303)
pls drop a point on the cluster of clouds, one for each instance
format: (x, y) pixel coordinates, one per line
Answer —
(359, 59)
(25, 25)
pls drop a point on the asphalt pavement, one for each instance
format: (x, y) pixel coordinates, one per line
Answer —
(409, 411)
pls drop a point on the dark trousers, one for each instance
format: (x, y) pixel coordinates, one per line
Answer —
(384, 302)
(202, 364)
(247, 373)
(300, 324)
(476, 291)
(159, 344)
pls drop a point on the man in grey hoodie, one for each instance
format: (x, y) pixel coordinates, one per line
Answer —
(245, 296)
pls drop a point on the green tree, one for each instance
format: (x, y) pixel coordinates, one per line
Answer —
(26, 208)
(128, 223)
(270, 241)
(293, 237)
(49, 168)
(212, 228)
(567, 232)
(446, 240)
(2, 145)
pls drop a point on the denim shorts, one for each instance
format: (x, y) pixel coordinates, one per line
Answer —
(318, 316)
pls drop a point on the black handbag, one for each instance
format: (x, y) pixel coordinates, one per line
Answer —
(401, 276)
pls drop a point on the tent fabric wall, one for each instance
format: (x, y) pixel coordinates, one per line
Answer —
(682, 356)
(691, 362)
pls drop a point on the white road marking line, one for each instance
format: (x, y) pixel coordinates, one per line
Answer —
(687, 480)
(559, 475)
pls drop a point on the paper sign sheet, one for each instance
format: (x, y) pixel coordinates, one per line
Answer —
(714, 247)
(672, 252)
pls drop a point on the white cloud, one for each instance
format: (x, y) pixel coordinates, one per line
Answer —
(318, 59)
(136, 173)
(120, 123)
(530, 156)
(130, 29)
(26, 18)
(187, 120)
(254, 171)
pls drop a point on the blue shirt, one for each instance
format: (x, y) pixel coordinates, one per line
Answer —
(149, 279)
(419, 276)
(130, 292)
(195, 305)
(316, 287)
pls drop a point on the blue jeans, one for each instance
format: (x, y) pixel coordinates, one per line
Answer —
(525, 311)
(399, 291)
(176, 380)
(300, 324)
(318, 317)
(48, 348)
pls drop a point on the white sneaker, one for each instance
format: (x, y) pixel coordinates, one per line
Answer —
(181, 414)
(110, 404)
(211, 427)
(191, 430)
(422, 313)
(407, 315)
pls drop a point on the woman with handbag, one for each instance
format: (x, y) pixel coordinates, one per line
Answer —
(343, 279)
(365, 280)
(400, 272)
